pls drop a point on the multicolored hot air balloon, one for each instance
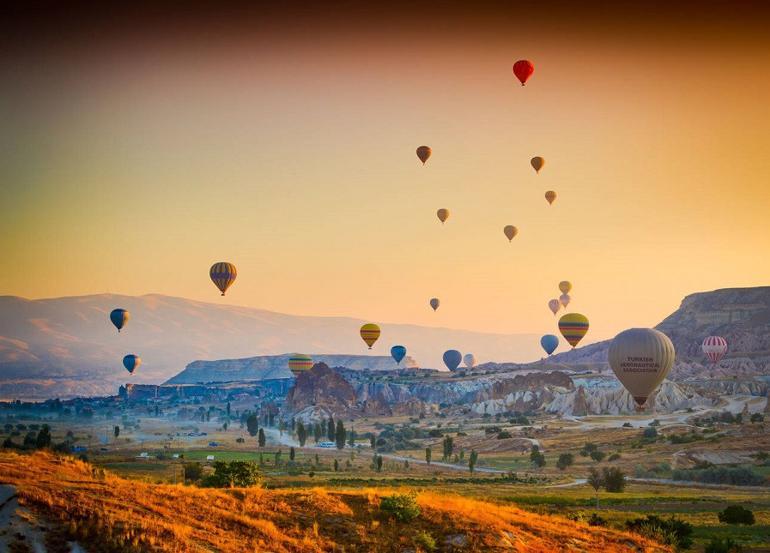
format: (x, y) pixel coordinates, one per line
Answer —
(470, 360)
(424, 152)
(549, 342)
(442, 214)
(369, 334)
(565, 286)
(398, 353)
(119, 318)
(715, 348)
(510, 231)
(554, 306)
(550, 196)
(223, 275)
(299, 362)
(131, 362)
(564, 299)
(434, 303)
(523, 70)
(452, 359)
(537, 163)
(641, 359)
(573, 326)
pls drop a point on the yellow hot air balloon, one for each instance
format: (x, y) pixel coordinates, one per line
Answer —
(550, 196)
(641, 359)
(573, 326)
(299, 362)
(565, 286)
(369, 334)
(223, 275)
(537, 163)
(424, 152)
(443, 214)
(510, 231)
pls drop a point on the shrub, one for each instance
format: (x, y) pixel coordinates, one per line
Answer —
(736, 514)
(736, 476)
(596, 520)
(239, 474)
(627, 425)
(597, 455)
(565, 460)
(671, 531)
(402, 507)
(614, 457)
(650, 433)
(425, 541)
(503, 435)
(718, 545)
(614, 479)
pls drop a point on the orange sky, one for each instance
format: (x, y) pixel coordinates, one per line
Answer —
(132, 166)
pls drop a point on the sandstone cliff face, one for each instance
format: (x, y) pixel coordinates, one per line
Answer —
(324, 389)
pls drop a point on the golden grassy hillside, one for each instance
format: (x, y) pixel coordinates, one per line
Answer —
(114, 514)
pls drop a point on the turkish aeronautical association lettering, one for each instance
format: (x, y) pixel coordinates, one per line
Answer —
(639, 365)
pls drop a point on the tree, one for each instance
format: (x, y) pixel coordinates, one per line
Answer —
(252, 424)
(291, 454)
(649, 433)
(330, 429)
(336, 465)
(317, 432)
(736, 514)
(565, 460)
(598, 455)
(378, 462)
(352, 437)
(596, 481)
(192, 472)
(43, 439)
(614, 479)
(116, 431)
(428, 454)
(228, 410)
(448, 447)
(373, 442)
(537, 458)
(340, 435)
(301, 433)
(474, 457)
(239, 474)
(261, 438)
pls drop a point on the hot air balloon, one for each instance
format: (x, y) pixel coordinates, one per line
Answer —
(510, 231)
(549, 343)
(442, 214)
(715, 348)
(424, 152)
(398, 353)
(452, 359)
(554, 306)
(537, 163)
(573, 326)
(550, 196)
(523, 70)
(641, 359)
(299, 362)
(434, 303)
(469, 359)
(223, 275)
(369, 334)
(119, 318)
(131, 363)
(564, 299)
(565, 286)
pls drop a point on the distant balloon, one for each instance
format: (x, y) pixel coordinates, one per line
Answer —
(452, 359)
(537, 163)
(554, 306)
(369, 334)
(565, 286)
(549, 343)
(223, 275)
(424, 152)
(299, 362)
(434, 303)
(469, 359)
(641, 359)
(119, 318)
(564, 299)
(550, 196)
(715, 348)
(131, 363)
(510, 231)
(398, 353)
(573, 326)
(443, 214)
(523, 70)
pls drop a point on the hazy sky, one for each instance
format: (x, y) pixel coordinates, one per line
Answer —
(137, 151)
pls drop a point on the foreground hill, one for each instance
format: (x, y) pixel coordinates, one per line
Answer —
(72, 501)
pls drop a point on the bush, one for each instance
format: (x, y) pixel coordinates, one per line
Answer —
(736, 476)
(627, 425)
(671, 531)
(736, 514)
(717, 545)
(425, 541)
(650, 433)
(565, 460)
(614, 480)
(402, 507)
(597, 455)
(596, 520)
(614, 457)
(503, 435)
(239, 474)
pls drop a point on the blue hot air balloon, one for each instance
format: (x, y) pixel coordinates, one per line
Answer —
(119, 318)
(131, 362)
(549, 343)
(452, 359)
(398, 353)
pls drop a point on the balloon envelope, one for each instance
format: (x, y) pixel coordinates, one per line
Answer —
(434, 303)
(369, 334)
(554, 305)
(523, 70)
(131, 363)
(510, 231)
(549, 343)
(469, 359)
(299, 362)
(452, 359)
(223, 275)
(573, 326)
(537, 163)
(564, 299)
(641, 359)
(424, 152)
(715, 348)
(565, 286)
(442, 214)
(550, 196)
(398, 353)
(119, 318)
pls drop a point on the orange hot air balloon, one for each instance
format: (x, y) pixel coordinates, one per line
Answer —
(424, 152)
(550, 196)
(369, 334)
(537, 163)
(523, 70)
(510, 231)
(443, 215)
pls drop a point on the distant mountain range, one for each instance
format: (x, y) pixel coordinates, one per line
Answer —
(67, 346)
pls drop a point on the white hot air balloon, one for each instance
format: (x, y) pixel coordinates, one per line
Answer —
(564, 299)
(554, 306)
(641, 359)
(469, 359)
(715, 348)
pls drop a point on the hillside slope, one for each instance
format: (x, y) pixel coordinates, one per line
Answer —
(114, 514)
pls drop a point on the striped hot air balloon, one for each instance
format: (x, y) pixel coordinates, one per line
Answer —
(223, 275)
(573, 326)
(715, 348)
(119, 318)
(299, 362)
(369, 334)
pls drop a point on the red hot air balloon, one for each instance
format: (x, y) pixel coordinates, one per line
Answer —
(715, 348)
(523, 70)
